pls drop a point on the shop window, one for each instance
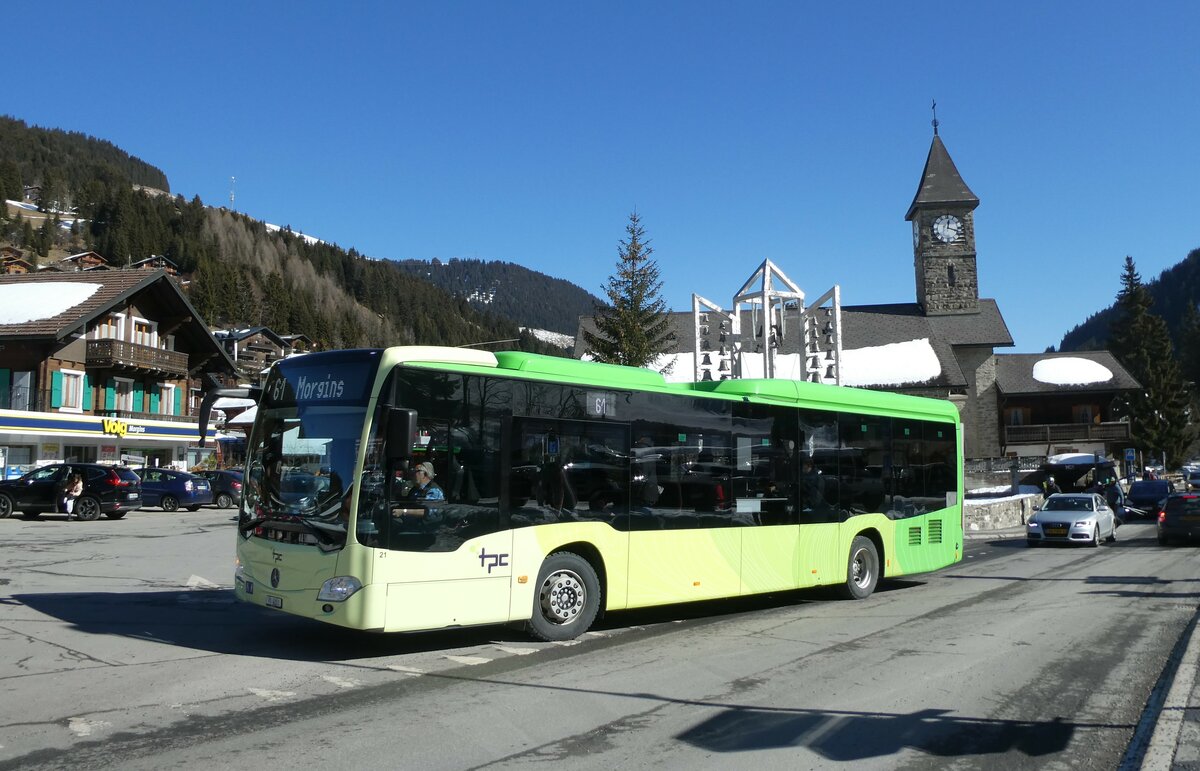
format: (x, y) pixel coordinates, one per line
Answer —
(79, 454)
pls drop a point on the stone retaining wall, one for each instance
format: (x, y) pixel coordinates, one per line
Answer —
(1000, 513)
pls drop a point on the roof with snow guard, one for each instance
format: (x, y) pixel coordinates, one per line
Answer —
(1052, 373)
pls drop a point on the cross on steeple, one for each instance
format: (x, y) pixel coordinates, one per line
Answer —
(935, 120)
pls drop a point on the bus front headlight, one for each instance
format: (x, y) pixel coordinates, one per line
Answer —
(339, 589)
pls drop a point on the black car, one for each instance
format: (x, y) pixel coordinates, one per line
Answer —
(1148, 497)
(1180, 518)
(226, 487)
(107, 490)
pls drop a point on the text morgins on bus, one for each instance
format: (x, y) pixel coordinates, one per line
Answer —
(324, 389)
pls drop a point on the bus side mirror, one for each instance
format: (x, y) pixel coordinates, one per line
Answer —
(401, 428)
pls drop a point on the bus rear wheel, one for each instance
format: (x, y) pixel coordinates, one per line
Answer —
(862, 569)
(567, 599)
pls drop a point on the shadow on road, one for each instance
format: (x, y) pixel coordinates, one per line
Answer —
(212, 620)
(848, 736)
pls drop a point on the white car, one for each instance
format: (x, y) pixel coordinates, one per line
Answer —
(1082, 518)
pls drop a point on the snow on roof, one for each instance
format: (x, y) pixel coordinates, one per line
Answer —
(244, 419)
(1075, 459)
(232, 403)
(32, 301)
(1070, 370)
(894, 364)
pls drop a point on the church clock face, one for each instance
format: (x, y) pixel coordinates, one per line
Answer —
(947, 228)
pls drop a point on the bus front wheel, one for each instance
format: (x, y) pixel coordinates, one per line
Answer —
(567, 600)
(862, 569)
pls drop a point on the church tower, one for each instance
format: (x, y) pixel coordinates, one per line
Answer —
(943, 221)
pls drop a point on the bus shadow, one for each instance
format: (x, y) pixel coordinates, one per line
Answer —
(722, 609)
(211, 620)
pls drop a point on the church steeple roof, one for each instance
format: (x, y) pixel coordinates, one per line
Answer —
(940, 182)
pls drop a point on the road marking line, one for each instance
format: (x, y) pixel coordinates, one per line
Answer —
(516, 651)
(405, 670)
(468, 660)
(341, 682)
(1161, 752)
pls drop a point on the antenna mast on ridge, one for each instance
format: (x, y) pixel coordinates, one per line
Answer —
(232, 182)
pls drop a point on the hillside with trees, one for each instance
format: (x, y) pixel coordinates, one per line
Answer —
(1174, 291)
(509, 290)
(237, 271)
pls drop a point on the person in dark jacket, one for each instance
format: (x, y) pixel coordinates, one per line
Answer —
(1050, 487)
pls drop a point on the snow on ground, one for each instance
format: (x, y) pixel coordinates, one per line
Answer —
(554, 338)
(22, 205)
(310, 240)
(25, 302)
(1070, 370)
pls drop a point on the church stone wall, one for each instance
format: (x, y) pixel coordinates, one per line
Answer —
(981, 428)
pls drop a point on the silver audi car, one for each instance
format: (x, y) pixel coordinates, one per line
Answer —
(1081, 518)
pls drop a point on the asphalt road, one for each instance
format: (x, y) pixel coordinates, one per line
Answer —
(121, 647)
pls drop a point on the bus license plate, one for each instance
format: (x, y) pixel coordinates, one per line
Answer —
(274, 602)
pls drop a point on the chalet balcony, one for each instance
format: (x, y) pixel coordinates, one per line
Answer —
(119, 354)
(1061, 433)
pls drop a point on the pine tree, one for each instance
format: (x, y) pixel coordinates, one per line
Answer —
(634, 328)
(1159, 412)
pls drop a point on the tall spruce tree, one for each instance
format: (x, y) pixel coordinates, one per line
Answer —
(633, 328)
(1159, 412)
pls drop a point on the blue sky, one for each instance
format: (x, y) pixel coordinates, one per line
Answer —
(793, 131)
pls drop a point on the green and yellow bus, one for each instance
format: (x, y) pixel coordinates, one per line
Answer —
(570, 488)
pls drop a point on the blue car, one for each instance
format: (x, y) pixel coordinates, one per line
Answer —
(172, 489)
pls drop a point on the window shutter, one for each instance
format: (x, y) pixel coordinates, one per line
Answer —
(110, 395)
(178, 400)
(56, 389)
(139, 397)
(87, 392)
(5, 388)
(154, 401)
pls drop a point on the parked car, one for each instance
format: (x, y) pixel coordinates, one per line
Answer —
(1147, 498)
(226, 487)
(1072, 518)
(1180, 518)
(108, 490)
(1191, 480)
(171, 489)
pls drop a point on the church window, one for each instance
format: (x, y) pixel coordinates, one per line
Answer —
(951, 279)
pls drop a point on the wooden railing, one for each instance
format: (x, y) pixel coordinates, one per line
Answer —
(119, 353)
(1048, 433)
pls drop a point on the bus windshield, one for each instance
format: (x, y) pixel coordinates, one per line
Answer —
(302, 452)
